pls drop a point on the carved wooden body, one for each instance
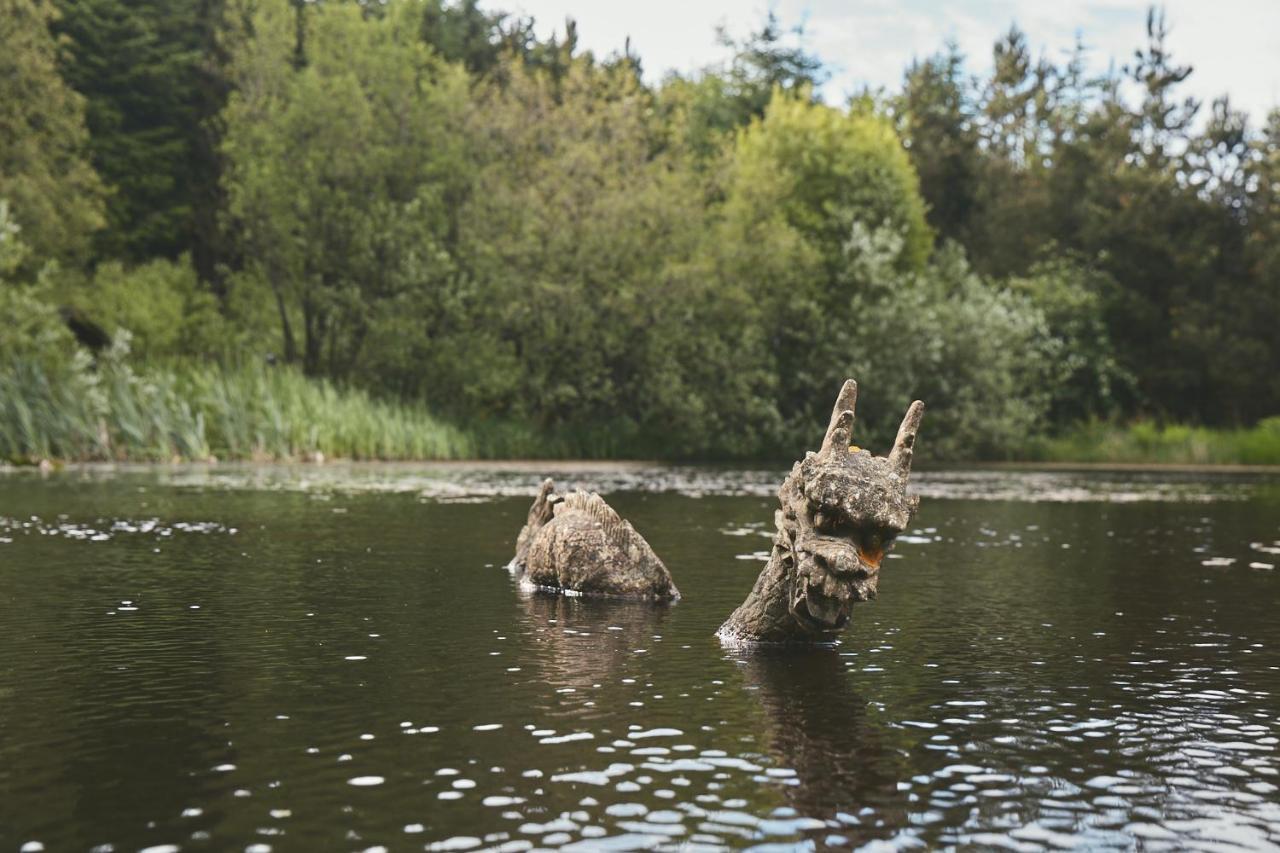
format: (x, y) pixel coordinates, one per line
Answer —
(841, 509)
(576, 543)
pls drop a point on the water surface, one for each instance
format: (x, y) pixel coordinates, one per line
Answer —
(334, 658)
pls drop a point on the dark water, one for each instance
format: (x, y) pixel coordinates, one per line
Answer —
(333, 658)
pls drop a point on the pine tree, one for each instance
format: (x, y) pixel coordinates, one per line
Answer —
(148, 70)
(935, 119)
(44, 172)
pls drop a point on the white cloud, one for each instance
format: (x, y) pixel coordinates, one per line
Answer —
(1234, 45)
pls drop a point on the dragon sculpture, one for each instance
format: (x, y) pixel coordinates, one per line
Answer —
(841, 510)
(577, 543)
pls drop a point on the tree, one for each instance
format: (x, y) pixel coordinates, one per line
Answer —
(44, 171)
(721, 99)
(1016, 108)
(151, 75)
(1162, 120)
(462, 32)
(935, 119)
(1236, 323)
(1088, 381)
(800, 179)
(983, 356)
(586, 233)
(1016, 101)
(343, 144)
(821, 170)
(764, 63)
(1174, 253)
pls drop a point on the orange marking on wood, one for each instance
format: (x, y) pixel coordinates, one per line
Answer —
(871, 558)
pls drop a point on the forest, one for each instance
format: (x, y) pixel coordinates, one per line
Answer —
(284, 229)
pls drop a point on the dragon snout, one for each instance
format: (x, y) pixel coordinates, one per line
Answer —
(823, 604)
(840, 558)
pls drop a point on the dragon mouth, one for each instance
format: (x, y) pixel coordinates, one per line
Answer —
(822, 599)
(823, 607)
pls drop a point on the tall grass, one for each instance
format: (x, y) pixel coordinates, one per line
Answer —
(75, 412)
(276, 413)
(51, 412)
(1148, 443)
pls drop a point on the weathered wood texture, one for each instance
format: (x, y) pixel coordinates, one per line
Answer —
(841, 509)
(576, 543)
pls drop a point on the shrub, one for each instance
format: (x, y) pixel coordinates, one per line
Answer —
(160, 303)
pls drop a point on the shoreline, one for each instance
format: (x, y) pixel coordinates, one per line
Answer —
(580, 465)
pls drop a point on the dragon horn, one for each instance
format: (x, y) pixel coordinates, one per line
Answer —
(904, 445)
(846, 403)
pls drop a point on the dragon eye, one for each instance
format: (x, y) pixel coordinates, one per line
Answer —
(832, 524)
(880, 540)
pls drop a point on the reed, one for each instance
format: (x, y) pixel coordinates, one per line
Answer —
(79, 412)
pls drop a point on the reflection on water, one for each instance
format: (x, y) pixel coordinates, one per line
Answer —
(819, 725)
(580, 643)
(318, 658)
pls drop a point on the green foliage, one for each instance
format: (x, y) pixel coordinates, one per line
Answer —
(819, 170)
(462, 32)
(710, 105)
(255, 412)
(44, 172)
(13, 251)
(936, 124)
(49, 411)
(561, 223)
(160, 303)
(421, 201)
(32, 330)
(341, 169)
(1038, 162)
(800, 180)
(1088, 381)
(110, 412)
(148, 72)
(981, 355)
(770, 59)
(1145, 442)
(107, 411)
(583, 250)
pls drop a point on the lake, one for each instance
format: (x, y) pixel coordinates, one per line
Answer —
(334, 657)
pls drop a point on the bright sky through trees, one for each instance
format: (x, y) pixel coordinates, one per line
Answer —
(1234, 45)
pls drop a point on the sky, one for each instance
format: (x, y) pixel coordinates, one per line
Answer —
(1234, 45)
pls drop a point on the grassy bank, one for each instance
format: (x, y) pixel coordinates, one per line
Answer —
(195, 412)
(1152, 444)
(75, 411)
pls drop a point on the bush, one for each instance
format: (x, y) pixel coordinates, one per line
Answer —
(160, 303)
(32, 330)
(980, 355)
(1089, 382)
